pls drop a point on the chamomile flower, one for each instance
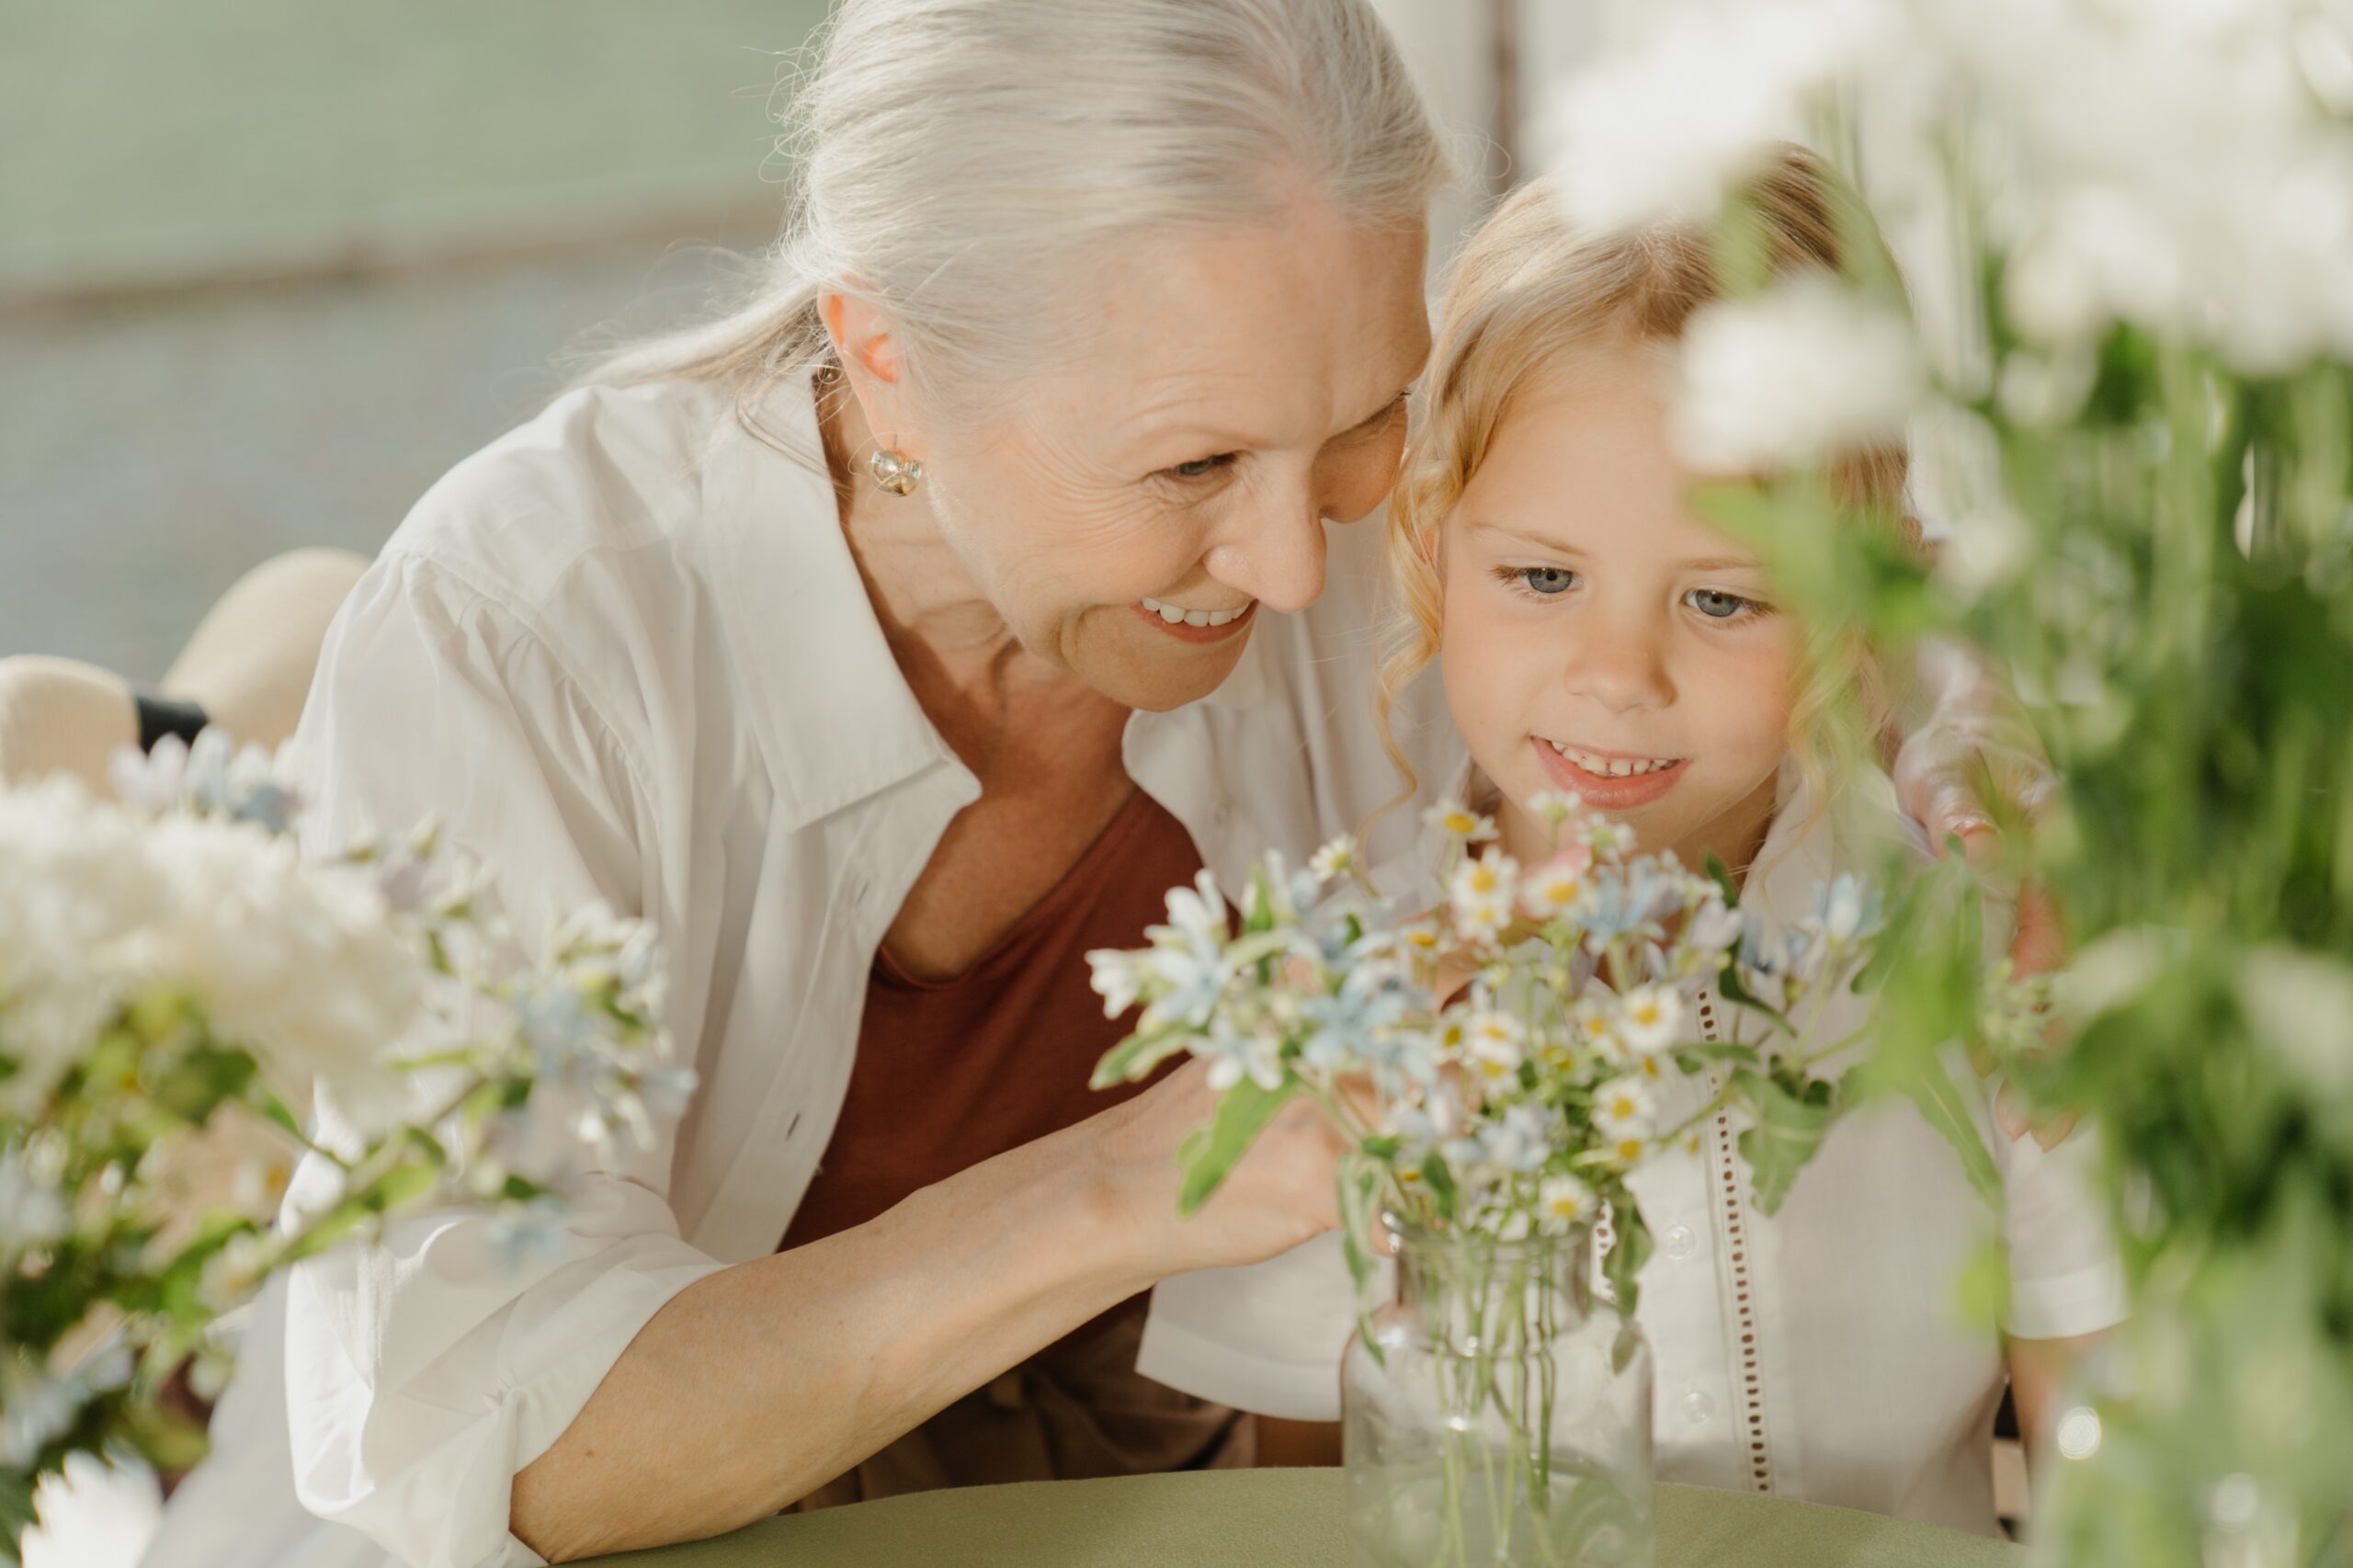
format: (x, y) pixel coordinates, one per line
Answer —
(1459, 822)
(1593, 1026)
(1482, 895)
(1562, 1203)
(1554, 806)
(1334, 859)
(1624, 1108)
(1552, 889)
(1649, 1018)
(1495, 1042)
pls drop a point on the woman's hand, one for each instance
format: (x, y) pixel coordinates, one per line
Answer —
(1974, 749)
(1279, 1194)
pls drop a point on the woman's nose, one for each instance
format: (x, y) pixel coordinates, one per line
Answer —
(1277, 560)
(1621, 666)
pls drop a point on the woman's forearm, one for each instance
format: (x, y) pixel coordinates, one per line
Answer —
(758, 1384)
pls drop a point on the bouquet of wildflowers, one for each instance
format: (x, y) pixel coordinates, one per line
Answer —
(2127, 361)
(174, 975)
(1512, 1038)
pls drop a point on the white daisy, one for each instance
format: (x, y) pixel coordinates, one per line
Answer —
(1562, 1203)
(1650, 1017)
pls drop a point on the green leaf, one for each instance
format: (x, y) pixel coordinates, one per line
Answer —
(1928, 1083)
(1623, 1266)
(1788, 1128)
(1440, 1181)
(1360, 1181)
(1210, 1153)
(1260, 913)
(1728, 987)
(1722, 879)
(1136, 1056)
(1694, 1057)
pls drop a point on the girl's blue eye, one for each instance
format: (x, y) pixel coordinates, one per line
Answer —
(1546, 580)
(1719, 606)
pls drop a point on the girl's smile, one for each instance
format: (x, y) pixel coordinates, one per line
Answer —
(1608, 781)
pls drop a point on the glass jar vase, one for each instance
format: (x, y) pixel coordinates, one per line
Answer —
(1494, 1414)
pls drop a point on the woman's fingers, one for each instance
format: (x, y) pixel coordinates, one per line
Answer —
(2040, 945)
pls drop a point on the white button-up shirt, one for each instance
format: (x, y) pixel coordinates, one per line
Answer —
(1819, 1353)
(623, 653)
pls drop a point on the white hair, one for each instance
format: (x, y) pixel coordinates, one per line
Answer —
(973, 168)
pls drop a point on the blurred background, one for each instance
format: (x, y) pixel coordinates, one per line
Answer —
(268, 267)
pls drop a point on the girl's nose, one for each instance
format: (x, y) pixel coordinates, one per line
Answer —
(1622, 667)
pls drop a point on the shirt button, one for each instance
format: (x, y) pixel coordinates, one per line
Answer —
(1678, 1243)
(1698, 1406)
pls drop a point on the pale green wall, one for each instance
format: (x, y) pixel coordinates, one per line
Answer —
(144, 142)
(156, 440)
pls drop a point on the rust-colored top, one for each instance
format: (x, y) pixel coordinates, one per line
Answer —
(951, 1072)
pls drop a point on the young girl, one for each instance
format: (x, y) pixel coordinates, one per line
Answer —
(1599, 639)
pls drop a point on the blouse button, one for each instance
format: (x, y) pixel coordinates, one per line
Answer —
(1678, 1243)
(1698, 1406)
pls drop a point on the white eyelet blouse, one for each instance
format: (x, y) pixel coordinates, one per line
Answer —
(1817, 1354)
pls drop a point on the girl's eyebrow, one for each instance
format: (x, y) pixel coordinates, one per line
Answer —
(1536, 542)
(1557, 546)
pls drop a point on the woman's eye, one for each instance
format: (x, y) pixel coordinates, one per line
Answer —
(1547, 581)
(1717, 604)
(1201, 468)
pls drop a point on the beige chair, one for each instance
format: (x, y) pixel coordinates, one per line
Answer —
(246, 670)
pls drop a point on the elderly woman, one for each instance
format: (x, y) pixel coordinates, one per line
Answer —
(890, 643)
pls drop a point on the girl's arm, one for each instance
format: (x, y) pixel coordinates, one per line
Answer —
(2040, 1369)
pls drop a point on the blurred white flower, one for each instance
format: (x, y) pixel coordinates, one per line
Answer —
(1661, 130)
(1623, 1108)
(1334, 859)
(1492, 1042)
(1553, 888)
(231, 1274)
(1802, 373)
(1117, 976)
(1593, 1025)
(1458, 820)
(1482, 894)
(1649, 1018)
(32, 1212)
(1564, 1203)
(1255, 1052)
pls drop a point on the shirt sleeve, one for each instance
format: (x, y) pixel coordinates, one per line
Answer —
(422, 1373)
(2066, 1277)
(1266, 1338)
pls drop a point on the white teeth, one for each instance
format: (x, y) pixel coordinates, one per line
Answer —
(1611, 768)
(1172, 614)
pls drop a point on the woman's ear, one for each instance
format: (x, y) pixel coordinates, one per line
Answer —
(867, 347)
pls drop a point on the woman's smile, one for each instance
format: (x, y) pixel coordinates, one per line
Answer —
(1187, 624)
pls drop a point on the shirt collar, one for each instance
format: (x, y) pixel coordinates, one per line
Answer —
(833, 718)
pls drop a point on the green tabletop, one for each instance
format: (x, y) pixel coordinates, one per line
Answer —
(1286, 1517)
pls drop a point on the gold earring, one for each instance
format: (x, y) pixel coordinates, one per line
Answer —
(895, 471)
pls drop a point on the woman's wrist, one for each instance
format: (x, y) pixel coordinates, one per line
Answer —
(1122, 1187)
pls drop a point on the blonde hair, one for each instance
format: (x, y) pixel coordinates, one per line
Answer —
(972, 168)
(1528, 293)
